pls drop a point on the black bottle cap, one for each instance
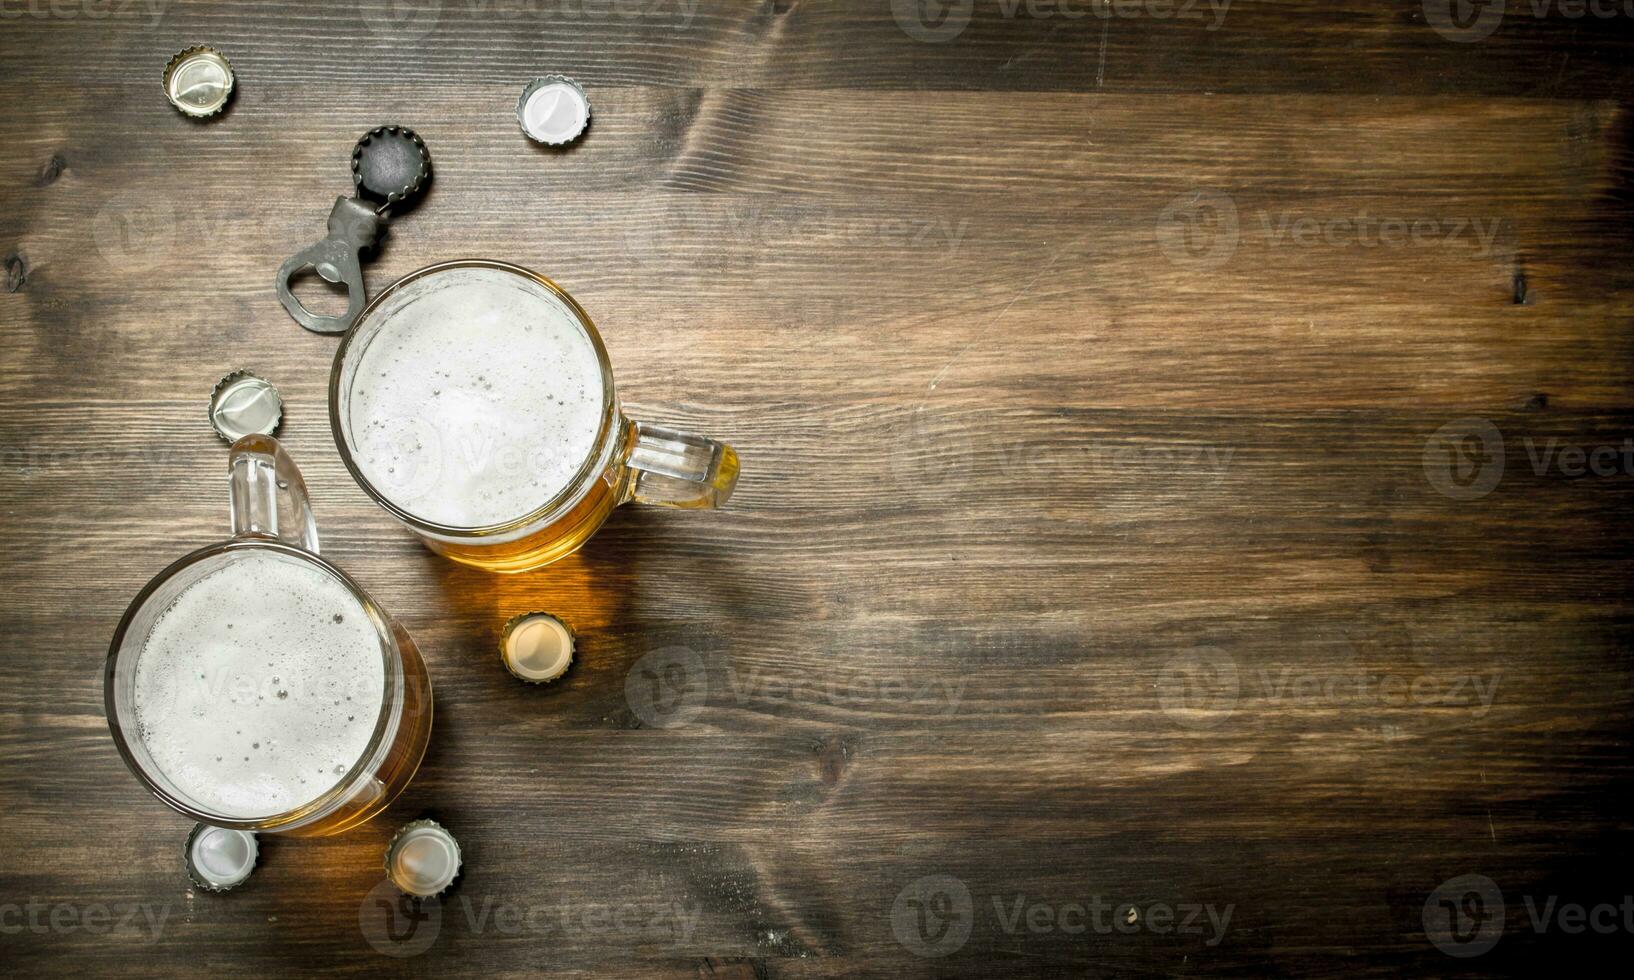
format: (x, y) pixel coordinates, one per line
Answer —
(390, 163)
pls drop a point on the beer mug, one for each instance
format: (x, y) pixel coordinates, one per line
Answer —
(473, 400)
(253, 685)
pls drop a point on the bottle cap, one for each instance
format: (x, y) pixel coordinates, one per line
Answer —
(422, 859)
(553, 110)
(218, 858)
(243, 404)
(390, 163)
(536, 647)
(199, 81)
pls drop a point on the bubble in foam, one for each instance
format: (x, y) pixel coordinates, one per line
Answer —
(260, 768)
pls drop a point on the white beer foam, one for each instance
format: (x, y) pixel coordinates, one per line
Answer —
(478, 400)
(259, 686)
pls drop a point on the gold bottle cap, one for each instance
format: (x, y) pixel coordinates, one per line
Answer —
(537, 647)
(219, 859)
(199, 81)
(243, 404)
(423, 859)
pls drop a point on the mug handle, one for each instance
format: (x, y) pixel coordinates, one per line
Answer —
(260, 475)
(676, 469)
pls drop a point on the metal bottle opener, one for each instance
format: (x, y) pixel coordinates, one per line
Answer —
(390, 165)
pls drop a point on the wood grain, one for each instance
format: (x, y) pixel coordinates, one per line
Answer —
(1075, 559)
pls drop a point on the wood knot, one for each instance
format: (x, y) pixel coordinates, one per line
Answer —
(16, 272)
(833, 755)
(51, 171)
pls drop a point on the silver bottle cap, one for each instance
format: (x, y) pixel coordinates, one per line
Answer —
(243, 404)
(218, 858)
(553, 110)
(199, 81)
(423, 859)
(537, 647)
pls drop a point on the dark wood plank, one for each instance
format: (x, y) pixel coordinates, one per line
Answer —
(1219, 46)
(1075, 560)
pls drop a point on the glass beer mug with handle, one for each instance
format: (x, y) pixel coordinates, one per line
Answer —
(253, 685)
(474, 401)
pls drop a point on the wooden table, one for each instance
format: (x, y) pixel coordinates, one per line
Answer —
(1122, 580)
